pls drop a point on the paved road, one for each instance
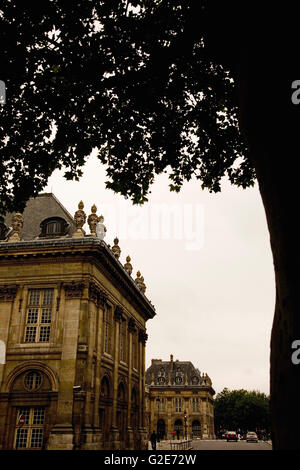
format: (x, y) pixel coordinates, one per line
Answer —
(224, 445)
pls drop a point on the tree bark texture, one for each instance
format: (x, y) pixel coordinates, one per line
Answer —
(258, 43)
(269, 121)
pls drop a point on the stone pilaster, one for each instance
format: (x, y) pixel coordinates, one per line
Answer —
(143, 438)
(62, 434)
(98, 296)
(129, 431)
(114, 432)
(7, 299)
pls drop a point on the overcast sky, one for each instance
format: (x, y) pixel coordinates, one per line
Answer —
(207, 266)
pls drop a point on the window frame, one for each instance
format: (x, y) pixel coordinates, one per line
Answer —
(107, 329)
(42, 316)
(29, 427)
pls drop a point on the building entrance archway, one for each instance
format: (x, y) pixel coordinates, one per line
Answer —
(196, 428)
(178, 428)
(161, 429)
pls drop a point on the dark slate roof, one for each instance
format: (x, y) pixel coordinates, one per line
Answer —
(172, 373)
(37, 209)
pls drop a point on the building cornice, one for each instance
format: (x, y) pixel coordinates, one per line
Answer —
(182, 388)
(88, 247)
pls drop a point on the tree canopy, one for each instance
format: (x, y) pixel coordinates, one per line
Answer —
(241, 409)
(133, 79)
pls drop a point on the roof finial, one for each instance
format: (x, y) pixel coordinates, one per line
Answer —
(143, 285)
(93, 220)
(116, 249)
(138, 280)
(17, 224)
(79, 219)
(128, 265)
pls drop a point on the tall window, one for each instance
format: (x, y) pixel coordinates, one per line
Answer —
(135, 350)
(195, 404)
(123, 341)
(30, 435)
(178, 405)
(39, 316)
(107, 329)
(160, 404)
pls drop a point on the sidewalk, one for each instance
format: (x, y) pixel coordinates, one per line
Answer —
(164, 445)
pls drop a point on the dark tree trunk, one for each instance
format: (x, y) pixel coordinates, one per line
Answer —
(264, 61)
(270, 125)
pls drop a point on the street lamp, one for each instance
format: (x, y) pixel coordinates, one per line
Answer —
(185, 425)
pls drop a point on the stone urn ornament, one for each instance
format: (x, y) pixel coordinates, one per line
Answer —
(17, 224)
(79, 219)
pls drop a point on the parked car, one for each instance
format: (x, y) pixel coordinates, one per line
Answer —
(231, 436)
(251, 437)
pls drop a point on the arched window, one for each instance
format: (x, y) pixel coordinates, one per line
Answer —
(178, 427)
(161, 428)
(104, 391)
(121, 392)
(33, 380)
(53, 227)
(196, 428)
(133, 398)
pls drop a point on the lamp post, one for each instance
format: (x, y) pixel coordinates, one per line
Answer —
(185, 425)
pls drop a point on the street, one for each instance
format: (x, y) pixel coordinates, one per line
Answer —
(217, 444)
(224, 445)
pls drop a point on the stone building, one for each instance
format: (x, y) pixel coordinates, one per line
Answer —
(179, 399)
(73, 324)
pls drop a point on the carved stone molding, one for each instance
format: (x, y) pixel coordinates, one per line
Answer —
(8, 293)
(143, 337)
(131, 325)
(97, 295)
(94, 293)
(74, 290)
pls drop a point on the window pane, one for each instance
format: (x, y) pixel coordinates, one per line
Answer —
(32, 316)
(48, 297)
(22, 435)
(24, 411)
(30, 334)
(36, 438)
(33, 380)
(46, 315)
(38, 416)
(44, 334)
(34, 297)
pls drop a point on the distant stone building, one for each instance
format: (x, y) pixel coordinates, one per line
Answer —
(179, 400)
(73, 329)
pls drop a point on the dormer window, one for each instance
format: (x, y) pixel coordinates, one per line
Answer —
(53, 227)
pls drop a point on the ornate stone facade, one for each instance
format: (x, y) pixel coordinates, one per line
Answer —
(179, 400)
(74, 328)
